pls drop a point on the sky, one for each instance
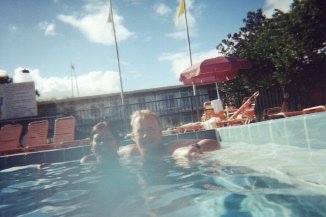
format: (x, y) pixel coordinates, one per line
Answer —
(48, 36)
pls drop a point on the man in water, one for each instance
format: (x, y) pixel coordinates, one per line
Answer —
(147, 135)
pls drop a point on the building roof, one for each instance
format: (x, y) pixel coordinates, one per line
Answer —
(126, 93)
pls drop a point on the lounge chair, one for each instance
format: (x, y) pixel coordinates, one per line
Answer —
(239, 121)
(36, 137)
(245, 107)
(10, 139)
(64, 133)
(314, 109)
(295, 113)
(190, 127)
(64, 130)
(243, 115)
(285, 114)
(270, 112)
(279, 114)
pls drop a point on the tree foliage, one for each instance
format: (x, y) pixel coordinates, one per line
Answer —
(288, 49)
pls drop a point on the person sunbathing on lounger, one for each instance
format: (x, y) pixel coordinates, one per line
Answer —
(104, 144)
(147, 135)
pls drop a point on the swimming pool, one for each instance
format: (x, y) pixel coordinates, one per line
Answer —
(273, 168)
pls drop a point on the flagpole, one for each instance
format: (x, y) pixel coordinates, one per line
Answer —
(188, 38)
(117, 52)
(73, 71)
(71, 79)
(190, 57)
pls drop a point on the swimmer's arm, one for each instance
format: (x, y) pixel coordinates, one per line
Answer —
(203, 144)
(206, 145)
(88, 158)
(192, 147)
(128, 150)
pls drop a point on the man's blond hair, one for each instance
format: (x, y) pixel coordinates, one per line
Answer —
(141, 114)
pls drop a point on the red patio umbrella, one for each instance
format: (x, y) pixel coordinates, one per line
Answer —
(213, 70)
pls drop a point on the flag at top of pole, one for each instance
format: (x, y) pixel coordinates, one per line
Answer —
(181, 11)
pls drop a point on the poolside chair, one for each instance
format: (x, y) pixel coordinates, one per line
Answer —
(64, 133)
(190, 127)
(269, 112)
(64, 129)
(314, 109)
(246, 113)
(10, 139)
(293, 113)
(230, 117)
(36, 137)
(278, 115)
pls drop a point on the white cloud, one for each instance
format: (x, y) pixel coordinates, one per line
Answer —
(92, 83)
(48, 28)
(270, 5)
(162, 9)
(19, 76)
(3, 73)
(181, 61)
(94, 24)
(12, 27)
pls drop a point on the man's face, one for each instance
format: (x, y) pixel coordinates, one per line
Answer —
(147, 134)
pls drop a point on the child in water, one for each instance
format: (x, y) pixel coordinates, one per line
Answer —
(104, 144)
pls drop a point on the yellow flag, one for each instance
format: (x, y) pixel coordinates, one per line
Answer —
(180, 12)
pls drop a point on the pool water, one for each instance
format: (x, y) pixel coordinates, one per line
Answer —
(242, 180)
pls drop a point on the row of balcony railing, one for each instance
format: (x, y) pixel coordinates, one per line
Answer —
(173, 112)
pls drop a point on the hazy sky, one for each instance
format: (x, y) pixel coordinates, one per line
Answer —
(46, 36)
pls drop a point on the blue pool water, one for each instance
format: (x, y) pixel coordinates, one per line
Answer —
(162, 187)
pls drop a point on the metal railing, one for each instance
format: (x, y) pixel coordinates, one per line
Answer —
(173, 112)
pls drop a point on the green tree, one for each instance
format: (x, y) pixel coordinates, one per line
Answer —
(286, 50)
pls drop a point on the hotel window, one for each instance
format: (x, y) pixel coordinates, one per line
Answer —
(169, 101)
(185, 101)
(141, 102)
